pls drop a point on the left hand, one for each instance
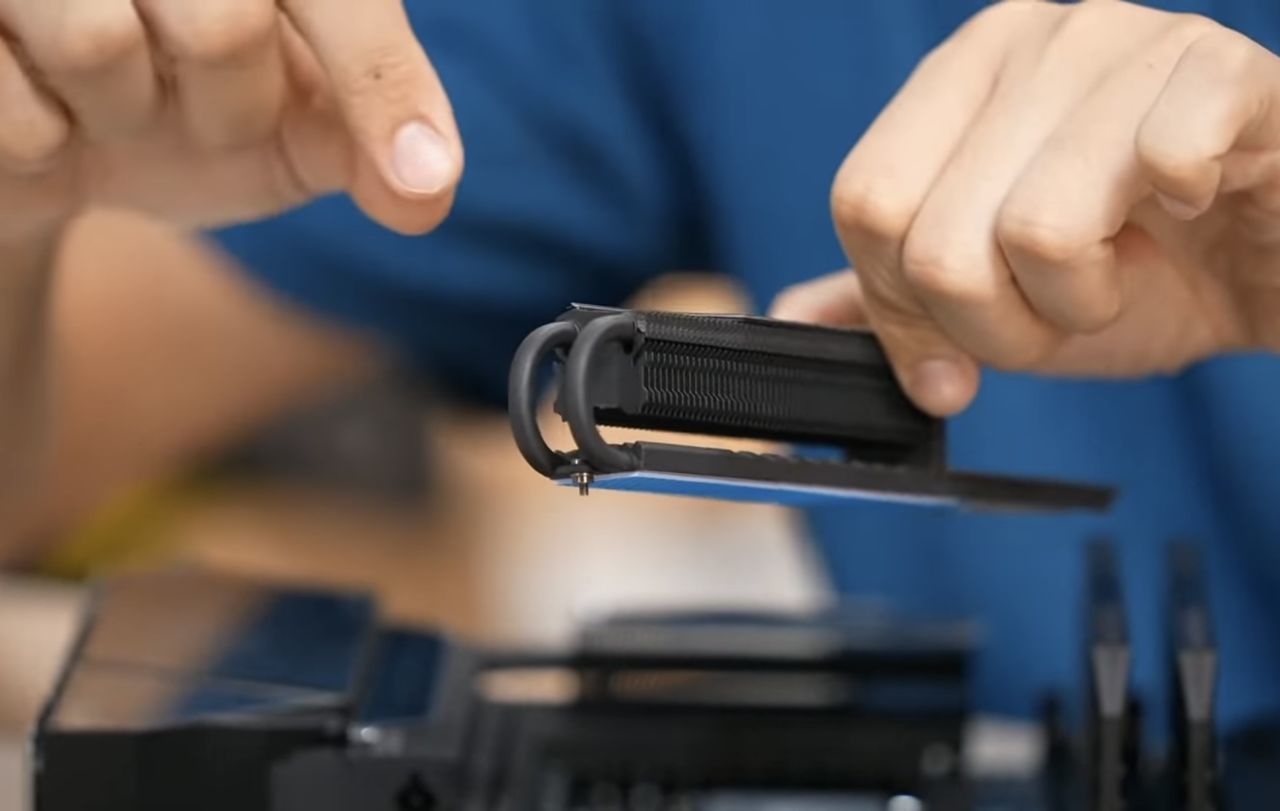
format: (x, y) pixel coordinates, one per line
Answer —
(1071, 189)
(211, 112)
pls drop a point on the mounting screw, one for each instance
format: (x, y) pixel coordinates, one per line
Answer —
(369, 736)
(583, 479)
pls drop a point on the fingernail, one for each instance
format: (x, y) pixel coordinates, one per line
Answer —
(421, 159)
(1177, 208)
(939, 386)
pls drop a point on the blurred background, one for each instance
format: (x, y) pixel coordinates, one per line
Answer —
(379, 487)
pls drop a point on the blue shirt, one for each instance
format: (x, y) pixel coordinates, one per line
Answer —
(610, 141)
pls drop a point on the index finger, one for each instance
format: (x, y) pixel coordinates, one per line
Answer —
(885, 181)
(409, 153)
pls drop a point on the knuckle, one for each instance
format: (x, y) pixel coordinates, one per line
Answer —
(1164, 156)
(1171, 159)
(1098, 314)
(386, 73)
(84, 47)
(219, 32)
(1037, 235)
(1004, 15)
(25, 149)
(868, 209)
(1083, 18)
(32, 135)
(1188, 29)
(1088, 20)
(995, 18)
(1084, 313)
(1226, 57)
(937, 271)
(889, 300)
(1211, 57)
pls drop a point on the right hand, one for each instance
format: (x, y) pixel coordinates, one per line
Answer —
(1086, 189)
(209, 112)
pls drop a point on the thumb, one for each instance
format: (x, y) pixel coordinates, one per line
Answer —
(408, 154)
(940, 378)
(834, 300)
